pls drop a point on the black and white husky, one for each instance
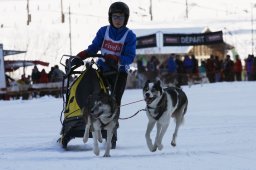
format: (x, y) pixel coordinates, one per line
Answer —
(102, 116)
(162, 104)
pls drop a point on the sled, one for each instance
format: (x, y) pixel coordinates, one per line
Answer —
(88, 82)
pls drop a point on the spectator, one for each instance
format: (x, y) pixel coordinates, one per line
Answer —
(202, 69)
(228, 69)
(43, 77)
(210, 69)
(218, 69)
(187, 64)
(57, 74)
(180, 71)
(172, 69)
(254, 68)
(8, 80)
(248, 67)
(141, 73)
(152, 68)
(35, 75)
(24, 80)
(195, 65)
(238, 68)
(50, 74)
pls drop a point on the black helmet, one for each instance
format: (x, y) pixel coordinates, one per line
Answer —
(118, 7)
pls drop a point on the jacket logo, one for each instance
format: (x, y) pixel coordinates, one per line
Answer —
(111, 46)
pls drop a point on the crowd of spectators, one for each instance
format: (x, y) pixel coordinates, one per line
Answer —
(24, 87)
(36, 77)
(179, 69)
(54, 75)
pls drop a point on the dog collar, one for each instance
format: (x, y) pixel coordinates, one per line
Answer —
(160, 108)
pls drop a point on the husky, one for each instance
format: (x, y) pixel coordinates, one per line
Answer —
(162, 104)
(101, 116)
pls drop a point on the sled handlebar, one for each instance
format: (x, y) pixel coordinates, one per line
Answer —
(72, 56)
(70, 69)
(67, 62)
(89, 55)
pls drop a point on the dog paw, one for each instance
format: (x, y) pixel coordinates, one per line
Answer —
(106, 155)
(96, 152)
(150, 145)
(173, 143)
(153, 148)
(85, 139)
(160, 147)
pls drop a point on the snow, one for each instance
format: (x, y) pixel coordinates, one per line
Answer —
(218, 133)
(219, 130)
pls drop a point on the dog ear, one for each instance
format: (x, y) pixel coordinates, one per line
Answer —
(158, 85)
(146, 84)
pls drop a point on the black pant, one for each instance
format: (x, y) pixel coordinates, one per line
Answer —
(117, 83)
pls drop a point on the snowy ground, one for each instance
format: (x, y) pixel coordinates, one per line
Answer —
(218, 134)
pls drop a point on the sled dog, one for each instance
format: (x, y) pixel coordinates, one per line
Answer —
(101, 116)
(162, 104)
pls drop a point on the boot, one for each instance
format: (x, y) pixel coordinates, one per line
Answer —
(64, 141)
(114, 139)
(113, 144)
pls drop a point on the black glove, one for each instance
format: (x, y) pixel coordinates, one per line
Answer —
(76, 61)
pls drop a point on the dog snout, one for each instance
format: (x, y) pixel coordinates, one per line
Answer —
(147, 95)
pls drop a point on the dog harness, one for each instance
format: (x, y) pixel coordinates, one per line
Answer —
(160, 108)
(97, 118)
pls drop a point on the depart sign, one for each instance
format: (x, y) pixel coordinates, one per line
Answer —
(192, 39)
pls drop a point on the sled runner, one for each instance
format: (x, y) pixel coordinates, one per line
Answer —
(89, 82)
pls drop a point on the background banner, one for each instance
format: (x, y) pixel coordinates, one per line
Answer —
(192, 39)
(146, 41)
